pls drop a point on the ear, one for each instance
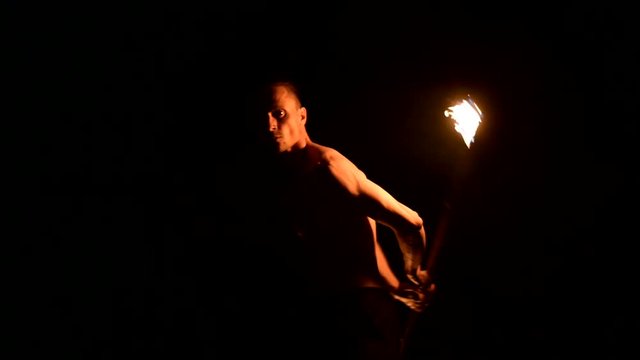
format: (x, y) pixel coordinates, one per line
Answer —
(303, 115)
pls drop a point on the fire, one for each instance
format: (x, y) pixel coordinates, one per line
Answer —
(467, 116)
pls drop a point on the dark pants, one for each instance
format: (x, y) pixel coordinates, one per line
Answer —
(366, 323)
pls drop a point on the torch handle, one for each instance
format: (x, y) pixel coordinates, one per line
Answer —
(436, 241)
(433, 251)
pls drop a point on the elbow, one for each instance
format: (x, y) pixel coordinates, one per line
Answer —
(417, 223)
(414, 224)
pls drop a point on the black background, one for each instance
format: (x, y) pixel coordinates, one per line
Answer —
(138, 174)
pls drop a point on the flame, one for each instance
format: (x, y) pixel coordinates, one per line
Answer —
(467, 116)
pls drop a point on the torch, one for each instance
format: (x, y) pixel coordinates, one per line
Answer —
(466, 117)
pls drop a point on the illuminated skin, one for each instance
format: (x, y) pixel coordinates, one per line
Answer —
(338, 209)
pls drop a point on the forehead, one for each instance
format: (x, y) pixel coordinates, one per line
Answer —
(281, 95)
(277, 95)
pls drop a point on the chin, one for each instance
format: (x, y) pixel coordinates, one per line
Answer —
(284, 149)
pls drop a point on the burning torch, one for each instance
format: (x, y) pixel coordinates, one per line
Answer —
(466, 117)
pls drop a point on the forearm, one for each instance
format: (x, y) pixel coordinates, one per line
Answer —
(413, 245)
(416, 289)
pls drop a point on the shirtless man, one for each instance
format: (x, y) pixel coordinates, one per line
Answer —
(352, 299)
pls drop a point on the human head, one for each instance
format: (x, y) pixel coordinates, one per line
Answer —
(286, 116)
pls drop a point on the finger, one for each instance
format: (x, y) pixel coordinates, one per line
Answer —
(412, 278)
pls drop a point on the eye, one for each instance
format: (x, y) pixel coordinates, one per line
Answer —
(279, 114)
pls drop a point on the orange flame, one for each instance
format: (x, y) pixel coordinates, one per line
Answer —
(467, 116)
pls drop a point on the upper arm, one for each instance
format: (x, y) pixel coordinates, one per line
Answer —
(376, 202)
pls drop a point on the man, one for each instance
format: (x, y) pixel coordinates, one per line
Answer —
(346, 299)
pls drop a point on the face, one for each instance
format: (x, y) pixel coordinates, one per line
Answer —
(286, 120)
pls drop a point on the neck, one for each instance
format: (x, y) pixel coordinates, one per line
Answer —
(300, 144)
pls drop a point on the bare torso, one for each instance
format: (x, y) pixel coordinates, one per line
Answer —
(334, 236)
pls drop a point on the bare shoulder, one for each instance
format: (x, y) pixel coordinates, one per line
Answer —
(343, 169)
(331, 157)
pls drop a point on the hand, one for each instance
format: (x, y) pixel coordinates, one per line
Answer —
(417, 292)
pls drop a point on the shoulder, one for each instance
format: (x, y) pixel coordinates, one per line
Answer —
(340, 167)
(329, 156)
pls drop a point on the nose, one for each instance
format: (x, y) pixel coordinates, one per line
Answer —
(273, 123)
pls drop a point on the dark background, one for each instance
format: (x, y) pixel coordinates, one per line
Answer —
(139, 178)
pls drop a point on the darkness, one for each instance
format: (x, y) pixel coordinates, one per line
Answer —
(138, 169)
